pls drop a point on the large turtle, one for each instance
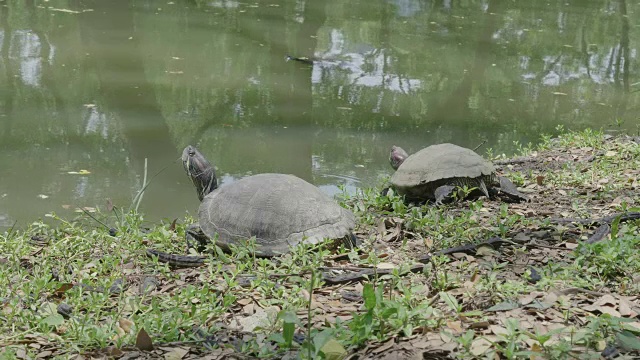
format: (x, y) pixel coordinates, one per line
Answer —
(280, 210)
(434, 172)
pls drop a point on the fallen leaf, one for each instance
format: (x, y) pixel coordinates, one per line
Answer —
(125, 324)
(80, 172)
(625, 308)
(261, 317)
(244, 302)
(456, 326)
(384, 347)
(44, 354)
(498, 330)
(571, 246)
(143, 341)
(172, 227)
(479, 346)
(504, 306)
(62, 289)
(606, 300)
(175, 353)
(109, 205)
(386, 266)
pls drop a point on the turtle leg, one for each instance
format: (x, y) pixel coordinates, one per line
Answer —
(507, 187)
(483, 187)
(443, 193)
(351, 241)
(196, 238)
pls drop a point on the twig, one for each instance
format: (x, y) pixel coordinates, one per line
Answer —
(518, 160)
(575, 290)
(94, 218)
(482, 143)
(10, 232)
(605, 220)
(138, 198)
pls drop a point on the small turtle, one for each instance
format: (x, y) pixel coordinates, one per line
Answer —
(435, 171)
(280, 210)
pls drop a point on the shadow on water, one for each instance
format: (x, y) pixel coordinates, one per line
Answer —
(111, 43)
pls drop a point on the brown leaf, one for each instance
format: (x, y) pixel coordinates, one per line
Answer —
(479, 325)
(606, 300)
(498, 330)
(113, 351)
(381, 229)
(570, 245)
(602, 309)
(479, 346)
(44, 354)
(385, 266)
(536, 347)
(244, 302)
(550, 298)
(109, 205)
(172, 227)
(456, 326)
(625, 308)
(428, 242)
(125, 324)
(143, 341)
(62, 289)
(540, 180)
(175, 353)
(385, 346)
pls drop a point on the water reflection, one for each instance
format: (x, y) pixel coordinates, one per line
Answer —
(26, 50)
(108, 86)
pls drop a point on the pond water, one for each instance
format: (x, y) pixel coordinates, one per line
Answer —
(105, 86)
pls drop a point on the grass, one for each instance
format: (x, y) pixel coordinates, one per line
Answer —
(546, 294)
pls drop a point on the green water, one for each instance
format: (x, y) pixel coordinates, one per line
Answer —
(105, 85)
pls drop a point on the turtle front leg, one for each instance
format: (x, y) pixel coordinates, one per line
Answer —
(442, 193)
(509, 188)
(196, 238)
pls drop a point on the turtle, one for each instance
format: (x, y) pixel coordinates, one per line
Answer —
(279, 210)
(434, 172)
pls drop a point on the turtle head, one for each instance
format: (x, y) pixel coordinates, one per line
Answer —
(397, 157)
(200, 171)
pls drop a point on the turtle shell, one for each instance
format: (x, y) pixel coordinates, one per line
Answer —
(437, 165)
(280, 210)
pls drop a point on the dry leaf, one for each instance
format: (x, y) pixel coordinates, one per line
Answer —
(386, 266)
(456, 326)
(498, 330)
(109, 205)
(62, 289)
(606, 300)
(625, 308)
(479, 346)
(175, 353)
(172, 227)
(244, 302)
(125, 324)
(143, 341)
(384, 347)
